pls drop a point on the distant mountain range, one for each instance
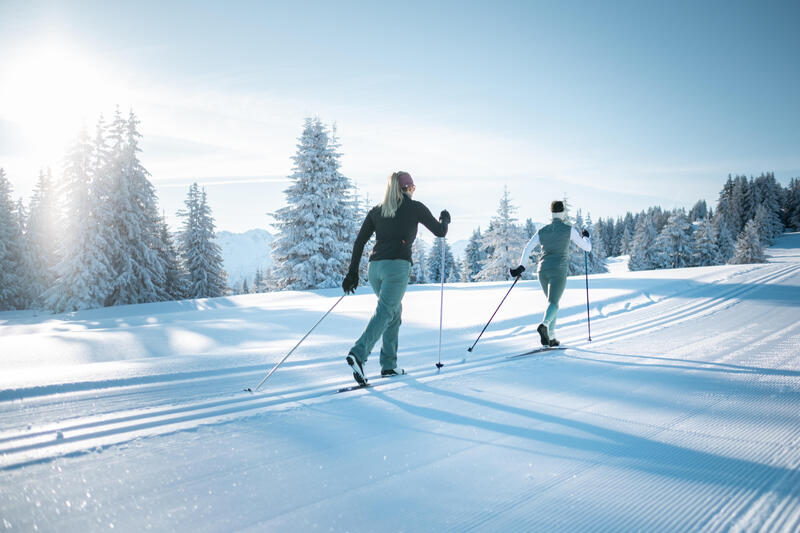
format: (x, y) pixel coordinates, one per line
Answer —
(244, 253)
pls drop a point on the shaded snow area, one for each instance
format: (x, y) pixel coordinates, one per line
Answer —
(681, 414)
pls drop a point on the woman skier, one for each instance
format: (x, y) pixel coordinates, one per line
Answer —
(553, 263)
(394, 223)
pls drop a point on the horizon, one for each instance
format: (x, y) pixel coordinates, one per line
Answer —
(618, 109)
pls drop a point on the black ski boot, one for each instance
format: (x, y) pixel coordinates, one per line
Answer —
(554, 342)
(358, 370)
(542, 329)
(392, 372)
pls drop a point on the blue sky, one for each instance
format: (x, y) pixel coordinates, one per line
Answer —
(618, 105)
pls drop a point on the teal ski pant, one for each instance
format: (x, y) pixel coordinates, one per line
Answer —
(553, 283)
(389, 279)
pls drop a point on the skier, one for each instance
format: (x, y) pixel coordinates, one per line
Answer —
(394, 223)
(554, 238)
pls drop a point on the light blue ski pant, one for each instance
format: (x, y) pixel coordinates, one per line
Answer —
(553, 283)
(389, 279)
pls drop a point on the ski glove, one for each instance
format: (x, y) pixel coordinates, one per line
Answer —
(585, 234)
(444, 217)
(350, 282)
(516, 272)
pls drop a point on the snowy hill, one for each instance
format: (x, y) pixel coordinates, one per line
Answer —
(681, 414)
(244, 253)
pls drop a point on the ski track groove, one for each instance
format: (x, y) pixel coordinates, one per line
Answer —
(738, 508)
(481, 519)
(734, 499)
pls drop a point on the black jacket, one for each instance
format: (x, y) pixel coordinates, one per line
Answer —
(394, 236)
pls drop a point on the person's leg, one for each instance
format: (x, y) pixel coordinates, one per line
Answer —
(555, 289)
(544, 336)
(390, 282)
(390, 339)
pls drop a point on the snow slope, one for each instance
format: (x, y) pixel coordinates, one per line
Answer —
(682, 413)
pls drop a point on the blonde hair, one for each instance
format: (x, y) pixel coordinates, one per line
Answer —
(393, 197)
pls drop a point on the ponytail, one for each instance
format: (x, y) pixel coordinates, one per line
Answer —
(393, 197)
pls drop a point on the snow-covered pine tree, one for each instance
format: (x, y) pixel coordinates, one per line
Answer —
(258, 282)
(619, 236)
(706, 248)
(42, 237)
(202, 257)
(769, 198)
(763, 225)
(748, 246)
(503, 242)
(85, 274)
(139, 269)
(245, 287)
(630, 229)
(316, 228)
(11, 287)
(464, 271)
(363, 208)
(725, 242)
(641, 248)
(742, 208)
(699, 211)
(174, 276)
(625, 241)
(434, 266)
(30, 289)
(598, 255)
(455, 272)
(474, 254)
(674, 245)
(419, 260)
(791, 207)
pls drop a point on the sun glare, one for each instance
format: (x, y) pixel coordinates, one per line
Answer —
(50, 91)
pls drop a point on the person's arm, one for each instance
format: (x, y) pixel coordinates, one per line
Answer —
(366, 231)
(437, 227)
(532, 243)
(583, 242)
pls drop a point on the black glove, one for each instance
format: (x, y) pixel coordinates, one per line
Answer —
(350, 282)
(585, 234)
(517, 272)
(444, 217)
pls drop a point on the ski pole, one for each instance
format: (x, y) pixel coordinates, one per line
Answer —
(285, 357)
(586, 269)
(441, 310)
(495, 312)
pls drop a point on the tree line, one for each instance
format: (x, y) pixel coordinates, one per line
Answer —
(95, 238)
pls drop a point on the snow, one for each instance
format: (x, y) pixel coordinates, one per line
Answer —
(682, 413)
(244, 253)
